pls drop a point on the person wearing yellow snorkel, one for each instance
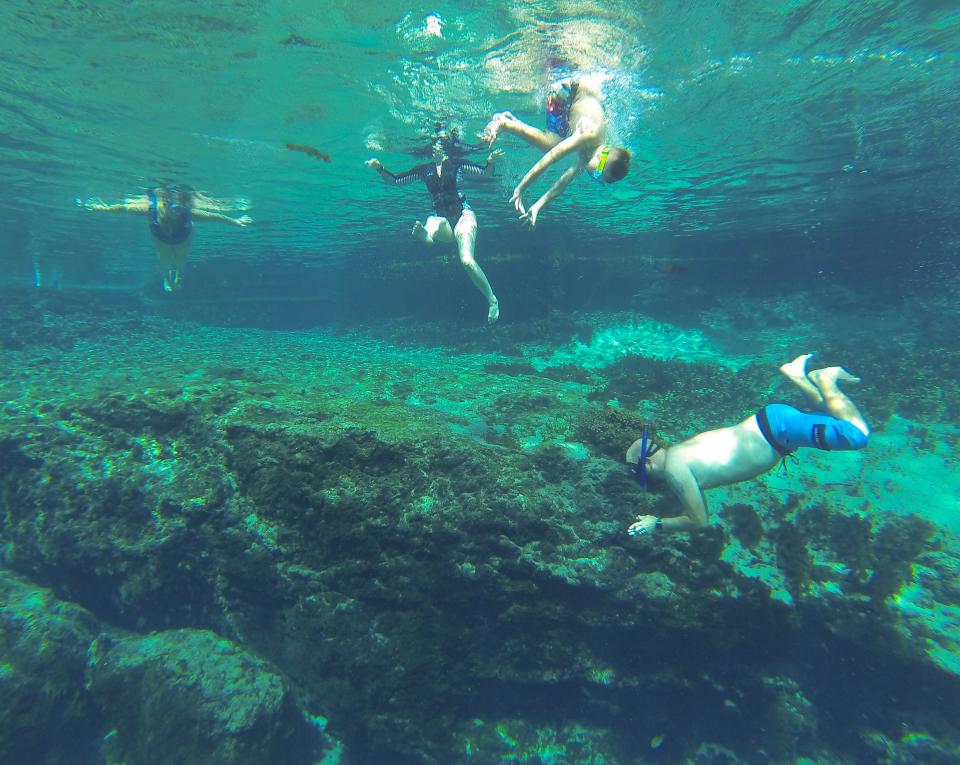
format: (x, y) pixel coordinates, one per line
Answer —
(171, 210)
(576, 125)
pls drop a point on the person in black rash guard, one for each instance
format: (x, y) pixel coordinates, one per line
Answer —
(453, 219)
(171, 210)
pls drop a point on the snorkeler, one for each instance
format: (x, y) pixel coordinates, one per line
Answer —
(744, 451)
(576, 124)
(171, 210)
(454, 220)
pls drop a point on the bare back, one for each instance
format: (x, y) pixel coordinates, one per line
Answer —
(724, 456)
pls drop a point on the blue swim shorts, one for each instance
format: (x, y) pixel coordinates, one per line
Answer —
(787, 429)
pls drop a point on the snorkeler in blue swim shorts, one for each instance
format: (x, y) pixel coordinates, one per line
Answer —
(744, 451)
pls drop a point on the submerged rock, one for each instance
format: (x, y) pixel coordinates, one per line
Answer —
(191, 696)
(75, 691)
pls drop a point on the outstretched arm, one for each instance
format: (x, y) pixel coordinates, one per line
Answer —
(580, 137)
(395, 180)
(484, 171)
(200, 214)
(692, 501)
(138, 205)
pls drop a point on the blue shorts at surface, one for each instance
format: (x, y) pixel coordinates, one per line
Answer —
(787, 429)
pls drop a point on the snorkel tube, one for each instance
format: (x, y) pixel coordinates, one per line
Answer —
(640, 469)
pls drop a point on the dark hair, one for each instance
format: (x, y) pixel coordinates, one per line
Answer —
(451, 141)
(617, 166)
(172, 193)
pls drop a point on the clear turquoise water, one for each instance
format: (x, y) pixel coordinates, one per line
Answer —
(794, 189)
(746, 117)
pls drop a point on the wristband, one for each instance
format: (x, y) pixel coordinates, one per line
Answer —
(659, 524)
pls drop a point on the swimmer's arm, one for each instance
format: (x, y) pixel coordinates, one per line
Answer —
(199, 214)
(141, 205)
(390, 179)
(484, 171)
(557, 189)
(692, 501)
(574, 142)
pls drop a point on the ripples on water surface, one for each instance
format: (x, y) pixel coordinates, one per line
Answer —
(748, 117)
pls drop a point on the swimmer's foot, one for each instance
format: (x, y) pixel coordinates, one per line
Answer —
(421, 234)
(493, 313)
(797, 368)
(831, 376)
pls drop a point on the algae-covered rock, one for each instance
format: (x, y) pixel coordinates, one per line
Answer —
(74, 690)
(191, 696)
(45, 715)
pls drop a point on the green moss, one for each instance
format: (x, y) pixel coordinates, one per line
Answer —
(609, 430)
(745, 524)
(895, 548)
(794, 558)
(553, 463)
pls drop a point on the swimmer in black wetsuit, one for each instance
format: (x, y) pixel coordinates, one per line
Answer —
(172, 210)
(454, 220)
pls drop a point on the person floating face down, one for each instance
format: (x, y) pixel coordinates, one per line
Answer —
(453, 219)
(576, 126)
(743, 451)
(171, 210)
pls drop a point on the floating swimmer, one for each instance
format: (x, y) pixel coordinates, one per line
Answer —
(577, 125)
(171, 210)
(454, 219)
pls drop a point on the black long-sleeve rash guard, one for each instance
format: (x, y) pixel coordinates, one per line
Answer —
(448, 202)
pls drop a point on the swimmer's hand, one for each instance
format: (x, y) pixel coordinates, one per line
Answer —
(91, 204)
(530, 216)
(376, 164)
(516, 199)
(492, 130)
(645, 524)
(243, 220)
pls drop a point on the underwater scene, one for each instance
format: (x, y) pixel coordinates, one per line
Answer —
(519, 382)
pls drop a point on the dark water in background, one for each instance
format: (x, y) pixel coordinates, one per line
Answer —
(796, 164)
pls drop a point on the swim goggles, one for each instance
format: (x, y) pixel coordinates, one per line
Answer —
(602, 163)
(647, 449)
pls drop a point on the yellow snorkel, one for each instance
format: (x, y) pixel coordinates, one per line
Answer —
(601, 163)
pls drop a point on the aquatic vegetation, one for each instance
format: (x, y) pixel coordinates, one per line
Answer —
(357, 523)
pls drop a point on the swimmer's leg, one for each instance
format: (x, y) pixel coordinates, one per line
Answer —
(173, 262)
(835, 401)
(436, 228)
(168, 267)
(466, 236)
(180, 262)
(537, 138)
(796, 372)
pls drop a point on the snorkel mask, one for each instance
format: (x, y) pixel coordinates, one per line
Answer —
(601, 163)
(647, 449)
